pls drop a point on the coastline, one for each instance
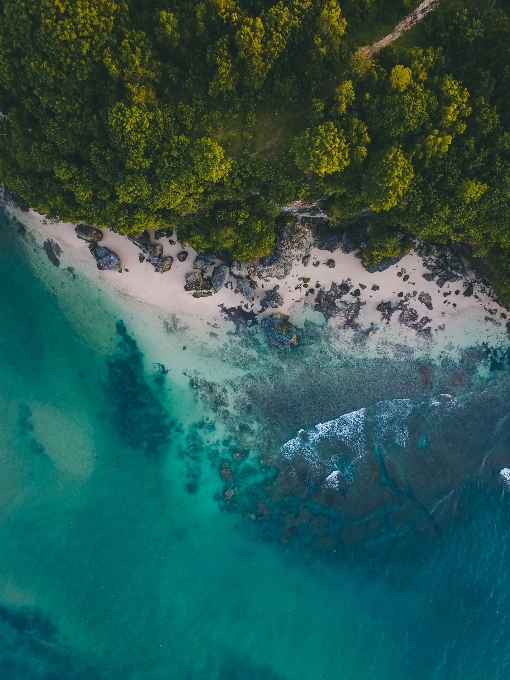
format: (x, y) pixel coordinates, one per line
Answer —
(451, 321)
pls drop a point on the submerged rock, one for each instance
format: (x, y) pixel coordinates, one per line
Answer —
(105, 258)
(279, 332)
(53, 251)
(219, 277)
(272, 299)
(239, 315)
(88, 233)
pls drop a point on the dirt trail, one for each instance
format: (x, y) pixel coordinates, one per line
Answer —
(411, 19)
(369, 51)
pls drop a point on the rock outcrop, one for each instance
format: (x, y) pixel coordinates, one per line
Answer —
(219, 277)
(196, 281)
(330, 303)
(203, 262)
(106, 260)
(279, 332)
(245, 287)
(444, 263)
(272, 299)
(153, 252)
(88, 233)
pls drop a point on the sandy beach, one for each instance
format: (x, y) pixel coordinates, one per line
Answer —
(454, 320)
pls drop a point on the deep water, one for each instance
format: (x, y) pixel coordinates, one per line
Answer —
(183, 513)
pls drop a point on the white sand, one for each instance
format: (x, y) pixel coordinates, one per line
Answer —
(453, 327)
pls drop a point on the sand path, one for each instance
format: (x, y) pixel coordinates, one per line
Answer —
(410, 20)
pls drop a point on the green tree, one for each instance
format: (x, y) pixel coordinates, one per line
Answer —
(388, 177)
(323, 150)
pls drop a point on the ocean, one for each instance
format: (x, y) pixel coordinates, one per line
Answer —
(182, 502)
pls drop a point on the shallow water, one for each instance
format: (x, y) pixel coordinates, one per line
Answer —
(151, 525)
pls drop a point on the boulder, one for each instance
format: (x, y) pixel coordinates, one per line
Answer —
(219, 277)
(166, 231)
(105, 258)
(153, 252)
(196, 281)
(425, 299)
(182, 256)
(244, 286)
(203, 262)
(88, 233)
(279, 332)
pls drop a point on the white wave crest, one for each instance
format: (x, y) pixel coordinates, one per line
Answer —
(505, 473)
(348, 429)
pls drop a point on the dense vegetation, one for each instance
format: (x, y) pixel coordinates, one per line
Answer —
(213, 115)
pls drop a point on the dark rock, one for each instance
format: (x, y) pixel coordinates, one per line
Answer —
(508, 328)
(196, 281)
(279, 332)
(153, 252)
(163, 233)
(331, 264)
(162, 264)
(202, 293)
(326, 238)
(385, 263)
(219, 277)
(305, 260)
(239, 315)
(182, 256)
(226, 473)
(469, 290)
(141, 258)
(356, 293)
(425, 299)
(203, 262)
(106, 260)
(14, 200)
(244, 286)
(375, 287)
(408, 316)
(331, 305)
(53, 251)
(88, 233)
(272, 299)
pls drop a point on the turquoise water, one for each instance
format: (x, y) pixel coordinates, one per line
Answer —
(152, 528)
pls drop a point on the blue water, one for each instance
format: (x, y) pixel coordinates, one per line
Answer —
(152, 527)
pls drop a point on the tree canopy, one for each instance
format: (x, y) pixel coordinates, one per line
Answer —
(212, 115)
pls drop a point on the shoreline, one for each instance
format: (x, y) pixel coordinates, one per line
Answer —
(366, 308)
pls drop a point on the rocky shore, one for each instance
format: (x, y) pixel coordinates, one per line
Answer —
(314, 269)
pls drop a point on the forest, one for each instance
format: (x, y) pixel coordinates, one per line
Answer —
(211, 116)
